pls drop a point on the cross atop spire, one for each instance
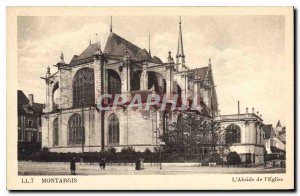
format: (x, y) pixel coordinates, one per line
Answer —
(180, 58)
(110, 23)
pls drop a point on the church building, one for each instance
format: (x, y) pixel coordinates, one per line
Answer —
(72, 120)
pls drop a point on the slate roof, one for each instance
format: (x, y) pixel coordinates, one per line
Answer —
(156, 60)
(86, 56)
(22, 99)
(143, 55)
(23, 105)
(115, 45)
(199, 73)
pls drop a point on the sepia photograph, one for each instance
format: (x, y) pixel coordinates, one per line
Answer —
(150, 94)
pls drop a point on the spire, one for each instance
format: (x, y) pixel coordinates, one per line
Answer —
(110, 23)
(149, 44)
(90, 42)
(180, 53)
(209, 63)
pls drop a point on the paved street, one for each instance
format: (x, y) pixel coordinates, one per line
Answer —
(42, 168)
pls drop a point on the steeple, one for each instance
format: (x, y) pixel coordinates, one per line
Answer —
(149, 45)
(111, 24)
(180, 58)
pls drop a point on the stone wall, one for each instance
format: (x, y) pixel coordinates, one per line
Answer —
(137, 129)
(66, 82)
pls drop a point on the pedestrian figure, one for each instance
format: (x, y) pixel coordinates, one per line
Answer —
(102, 163)
(137, 164)
(141, 163)
(73, 166)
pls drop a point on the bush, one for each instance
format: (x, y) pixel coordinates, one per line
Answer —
(127, 155)
(216, 158)
(233, 158)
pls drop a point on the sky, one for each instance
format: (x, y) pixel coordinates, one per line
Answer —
(247, 52)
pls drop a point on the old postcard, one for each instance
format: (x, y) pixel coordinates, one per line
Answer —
(150, 98)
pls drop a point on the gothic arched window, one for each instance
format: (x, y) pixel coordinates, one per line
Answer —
(76, 133)
(113, 130)
(233, 134)
(135, 80)
(55, 132)
(84, 88)
(114, 82)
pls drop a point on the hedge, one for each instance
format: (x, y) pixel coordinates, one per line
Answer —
(127, 155)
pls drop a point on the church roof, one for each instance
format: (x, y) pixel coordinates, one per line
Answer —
(86, 56)
(156, 60)
(143, 55)
(199, 73)
(115, 45)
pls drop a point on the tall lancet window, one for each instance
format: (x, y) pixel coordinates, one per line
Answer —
(113, 130)
(55, 132)
(75, 129)
(114, 82)
(84, 88)
(233, 134)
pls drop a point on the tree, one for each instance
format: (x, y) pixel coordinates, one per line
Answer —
(192, 132)
(189, 133)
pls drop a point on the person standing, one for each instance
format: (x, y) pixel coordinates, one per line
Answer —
(100, 163)
(73, 166)
(138, 164)
(141, 163)
(103, 163)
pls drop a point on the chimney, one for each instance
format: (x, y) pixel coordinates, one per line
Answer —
(238, 107)
(31, 100)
